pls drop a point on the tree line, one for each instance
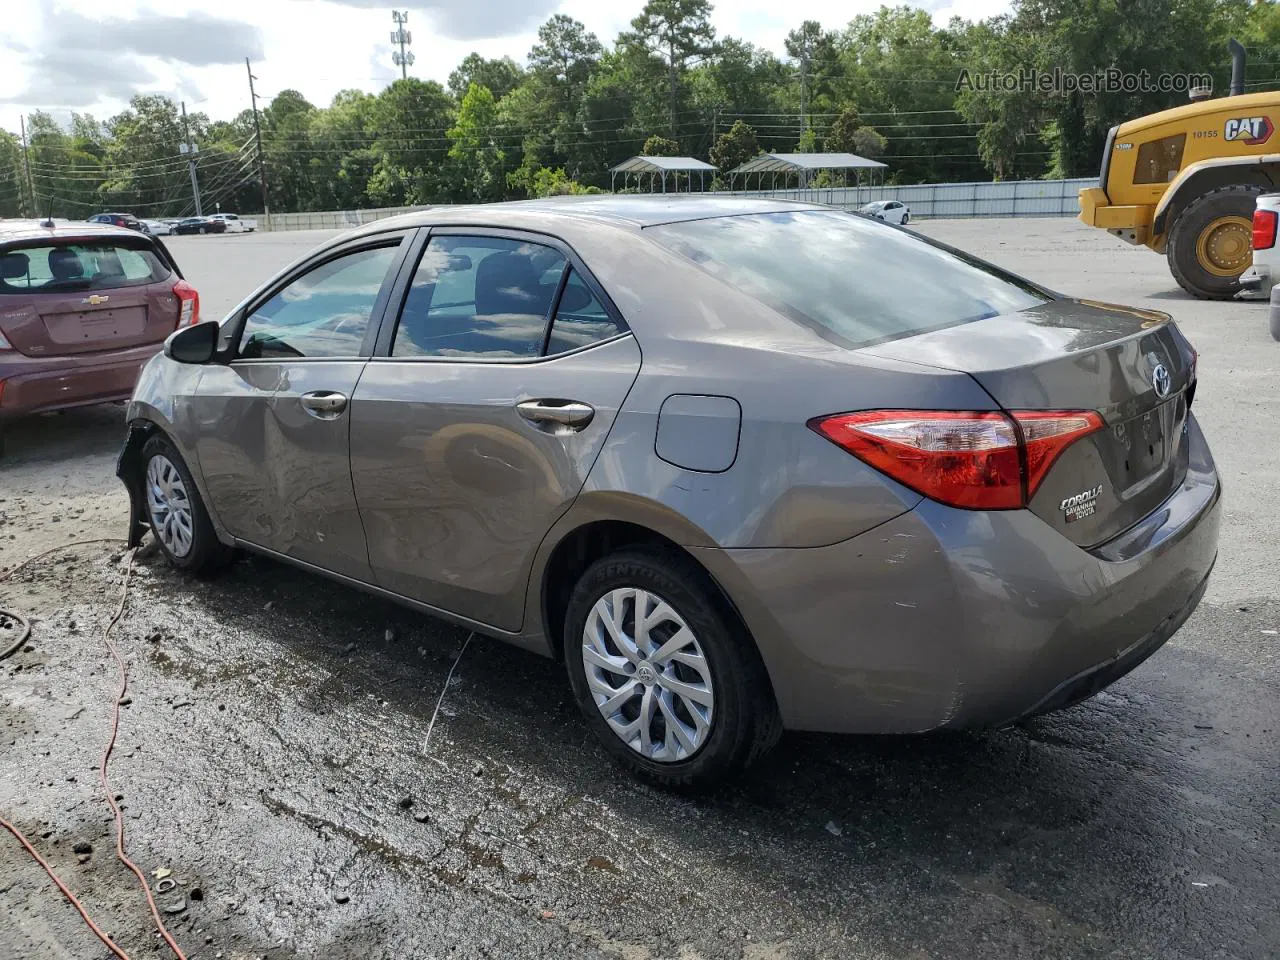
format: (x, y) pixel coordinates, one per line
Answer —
(889, 85)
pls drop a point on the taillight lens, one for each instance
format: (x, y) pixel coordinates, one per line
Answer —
(974, 460)
(1264, 229)
(189, 303)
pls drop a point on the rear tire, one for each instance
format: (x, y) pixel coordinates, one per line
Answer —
(176, 514)
(203, 230)
(906, 218)
(716, 672)
(1210, 244)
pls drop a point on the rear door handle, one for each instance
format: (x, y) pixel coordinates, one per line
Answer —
(325, 404)
(566, 413)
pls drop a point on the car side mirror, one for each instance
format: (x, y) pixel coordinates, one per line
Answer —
(195, 344)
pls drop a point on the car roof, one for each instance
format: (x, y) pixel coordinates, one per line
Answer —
(22, 231)
(627, 211)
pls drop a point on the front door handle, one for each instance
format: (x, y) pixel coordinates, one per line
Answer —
(325, 404)
(565, 413)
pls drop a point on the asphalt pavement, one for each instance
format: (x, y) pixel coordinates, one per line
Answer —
(275, 751)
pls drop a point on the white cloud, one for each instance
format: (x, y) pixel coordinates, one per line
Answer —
(70, 55)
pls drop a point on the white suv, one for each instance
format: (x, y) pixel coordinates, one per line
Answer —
(1264, 275)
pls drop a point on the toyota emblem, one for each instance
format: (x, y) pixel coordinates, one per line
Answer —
(1160, 380)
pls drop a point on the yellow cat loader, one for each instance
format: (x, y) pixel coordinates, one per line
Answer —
(1183, 182)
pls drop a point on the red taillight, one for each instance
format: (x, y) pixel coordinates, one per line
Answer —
(1264, 229)
(188, 303)
(975, 460)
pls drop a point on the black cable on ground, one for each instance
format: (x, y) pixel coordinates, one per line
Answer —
(9, 615)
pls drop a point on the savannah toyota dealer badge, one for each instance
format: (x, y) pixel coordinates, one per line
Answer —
(1081, 505)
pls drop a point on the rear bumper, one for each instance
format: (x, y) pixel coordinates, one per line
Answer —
(952, 618)
(37, 384)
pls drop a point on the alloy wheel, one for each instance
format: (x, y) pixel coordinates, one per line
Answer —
(648, 675)
(169, 505)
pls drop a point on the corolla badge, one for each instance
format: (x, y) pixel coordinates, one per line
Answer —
(1161, 380)
(1081, 505)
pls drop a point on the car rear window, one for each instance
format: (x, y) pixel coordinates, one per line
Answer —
(857, 281)
(52, 268)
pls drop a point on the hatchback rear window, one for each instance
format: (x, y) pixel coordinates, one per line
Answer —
(53, 268)
(857, 281)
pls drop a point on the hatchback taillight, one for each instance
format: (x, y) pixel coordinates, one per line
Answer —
(1264, 229)
(189, 300)
(974, 460)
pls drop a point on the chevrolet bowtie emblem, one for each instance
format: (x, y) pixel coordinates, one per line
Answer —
(95, 299)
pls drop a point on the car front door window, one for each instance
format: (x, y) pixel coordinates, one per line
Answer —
(323, 313)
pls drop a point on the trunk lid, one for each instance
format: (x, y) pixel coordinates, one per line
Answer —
(1132, 366)
(79, 297)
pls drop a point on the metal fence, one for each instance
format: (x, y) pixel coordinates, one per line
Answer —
(1009, 198)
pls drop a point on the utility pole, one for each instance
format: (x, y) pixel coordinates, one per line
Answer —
(26, 159)
(403, 38)
(804, 86)
(257, 133)
(671, 73)
(190, 149)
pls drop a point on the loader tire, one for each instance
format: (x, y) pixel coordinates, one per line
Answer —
(1210, 244)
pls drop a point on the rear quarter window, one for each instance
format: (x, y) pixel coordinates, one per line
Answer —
(855, 280)
(54, 268)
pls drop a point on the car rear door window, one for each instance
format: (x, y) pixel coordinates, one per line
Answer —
(57, 268)
(323, 313)
(479, 298)
(581, 318)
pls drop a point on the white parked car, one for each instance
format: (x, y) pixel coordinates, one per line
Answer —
(157, 228)
(890, 211)
(236, 224)
(1264, 276)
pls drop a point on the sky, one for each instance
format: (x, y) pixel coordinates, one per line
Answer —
(89, 56)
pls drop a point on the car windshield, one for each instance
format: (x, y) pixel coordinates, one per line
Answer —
(855, 280)
(52, 268)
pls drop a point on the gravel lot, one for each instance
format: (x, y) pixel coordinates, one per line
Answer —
(277, 724)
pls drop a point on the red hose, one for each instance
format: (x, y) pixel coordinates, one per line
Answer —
(107, 790)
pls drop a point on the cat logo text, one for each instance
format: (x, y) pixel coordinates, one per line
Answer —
(1250, 130)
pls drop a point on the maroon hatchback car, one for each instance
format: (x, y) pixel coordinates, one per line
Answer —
(82, 308)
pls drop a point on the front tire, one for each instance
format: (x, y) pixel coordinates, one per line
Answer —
(176, 514)
(203, 230)
(1211, 243)
(666, 677)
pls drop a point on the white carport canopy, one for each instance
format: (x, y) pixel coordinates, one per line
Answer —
(804, 165)
(657, 170)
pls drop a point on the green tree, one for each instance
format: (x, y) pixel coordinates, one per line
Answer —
(13, 187)
(501, 76)
(543, 111)
(476, 159)
(739, 79)
(660, 146)
(676, 32)
(286, 141)
(869, 143)
(734, 148)
(408, 124)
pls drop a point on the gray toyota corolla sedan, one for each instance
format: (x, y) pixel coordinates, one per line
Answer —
(741, 465)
